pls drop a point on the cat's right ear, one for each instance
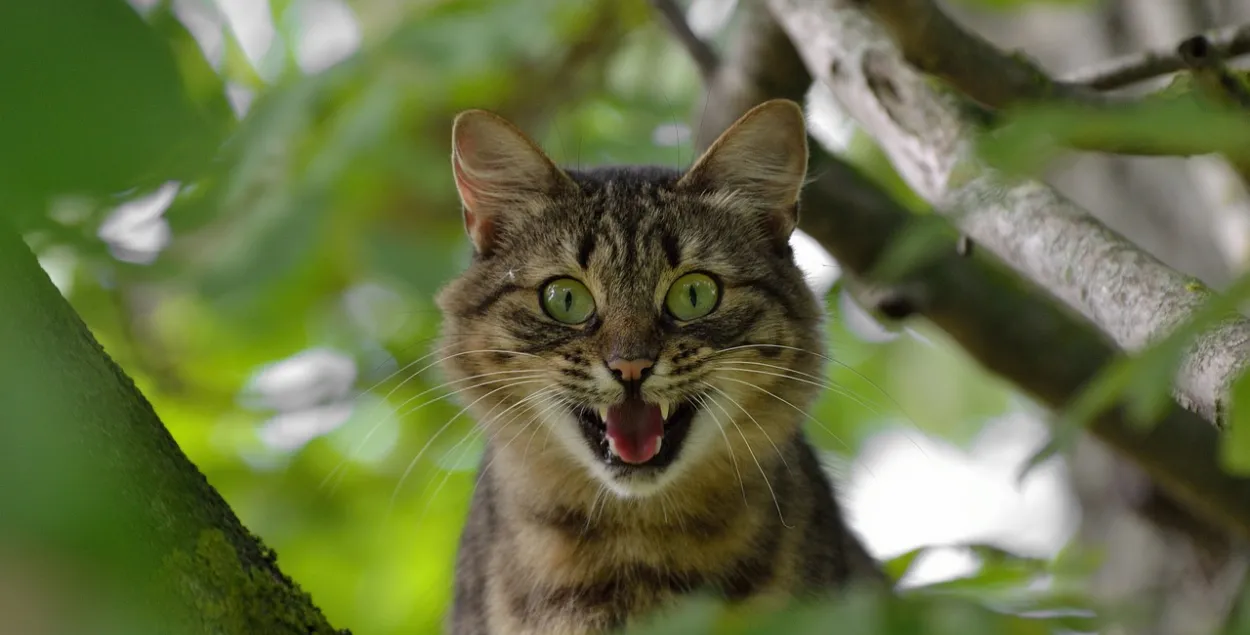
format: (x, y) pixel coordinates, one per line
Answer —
(760, 161)
(499, 171)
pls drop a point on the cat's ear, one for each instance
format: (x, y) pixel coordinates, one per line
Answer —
(499, 171)
(760, 162)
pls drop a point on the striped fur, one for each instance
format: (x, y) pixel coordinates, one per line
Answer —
(556, 542)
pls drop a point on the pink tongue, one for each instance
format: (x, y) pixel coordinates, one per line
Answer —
(635, 429)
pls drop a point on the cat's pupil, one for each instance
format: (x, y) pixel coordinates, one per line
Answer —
(568, 300)
(694, 296)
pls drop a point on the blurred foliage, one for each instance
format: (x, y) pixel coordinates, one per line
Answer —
(253, 222)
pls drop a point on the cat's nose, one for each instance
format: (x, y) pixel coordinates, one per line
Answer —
(630, 370)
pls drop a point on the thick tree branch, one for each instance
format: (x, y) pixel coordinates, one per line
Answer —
(1126, 292)
(1115, 73)
(92, 476)
(1020, 333)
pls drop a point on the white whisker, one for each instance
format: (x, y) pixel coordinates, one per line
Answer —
(873, 408)
(753, 420)
(796, 408)
(760, 467)
(374, 428)
(732, 457)
(412, 464)
(831, 360)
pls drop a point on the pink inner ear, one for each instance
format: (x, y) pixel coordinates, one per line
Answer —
(475, 224)
(466, 186)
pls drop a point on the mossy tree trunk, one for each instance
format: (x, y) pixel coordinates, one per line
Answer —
(105, 525)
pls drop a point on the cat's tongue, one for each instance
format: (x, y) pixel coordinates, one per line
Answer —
(635, 429)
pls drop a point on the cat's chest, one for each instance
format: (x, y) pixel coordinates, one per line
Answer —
(554, 582)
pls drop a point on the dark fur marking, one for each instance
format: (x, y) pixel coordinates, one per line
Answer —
(754, 570)
(672, 249)
(574, 524)
(576, 373)
(772, 291)
(480, 308)
(584, 250)
(623, 581)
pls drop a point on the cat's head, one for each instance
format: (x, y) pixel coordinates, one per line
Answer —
(650, 319)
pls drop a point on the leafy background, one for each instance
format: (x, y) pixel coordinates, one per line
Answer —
(250, 205)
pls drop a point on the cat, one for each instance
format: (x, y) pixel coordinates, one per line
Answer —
(642, 351)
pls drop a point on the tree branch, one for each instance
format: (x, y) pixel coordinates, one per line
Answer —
(702, 54)
(1227, 43)
(760, 64)
(1126, 292)
(934, 43)
(104, 486)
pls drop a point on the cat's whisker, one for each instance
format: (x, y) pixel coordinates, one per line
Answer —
(785, 401)
(537, 417)
(355, 450)
(763, 474)
(405, 367)
(336, 473)
(831, 360)
(824, 384)
(681, 521)
(412, 464)
(477, 430)
(814, 377)
(590, 515)
(703, 402)
(481, 427)
(753, 420)
(839, 389)
(551, 403)
(438, 362)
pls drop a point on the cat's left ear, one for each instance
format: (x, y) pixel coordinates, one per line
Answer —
(760, 163)
(499, 173)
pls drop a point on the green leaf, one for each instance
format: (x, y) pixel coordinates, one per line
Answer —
(899, 565)
(1235, 450)
(1183, 125)
(94, 102)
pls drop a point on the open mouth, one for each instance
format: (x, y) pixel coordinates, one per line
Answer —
(636, 433)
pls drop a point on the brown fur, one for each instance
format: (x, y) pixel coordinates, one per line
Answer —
(556, 544)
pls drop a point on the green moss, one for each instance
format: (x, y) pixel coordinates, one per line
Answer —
(214, 591)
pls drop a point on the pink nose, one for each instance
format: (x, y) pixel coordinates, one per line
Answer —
(630, 369)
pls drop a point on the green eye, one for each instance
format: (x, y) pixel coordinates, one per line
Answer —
(694, 295)
(568, 301)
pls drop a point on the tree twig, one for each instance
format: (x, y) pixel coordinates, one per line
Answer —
(934, 43)
(1211, 75)
(1227, 43)
(702, 54)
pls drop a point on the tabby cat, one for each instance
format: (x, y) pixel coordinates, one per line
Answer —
(641, 350)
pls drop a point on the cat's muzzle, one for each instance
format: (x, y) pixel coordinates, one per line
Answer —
(635, 434)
